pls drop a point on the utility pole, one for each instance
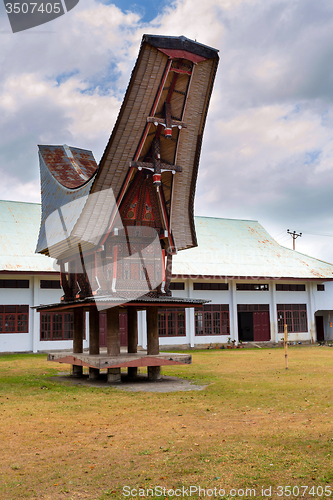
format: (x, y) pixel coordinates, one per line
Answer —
(294, 236)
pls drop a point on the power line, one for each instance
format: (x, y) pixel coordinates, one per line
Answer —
(282, 232)
(319, 234)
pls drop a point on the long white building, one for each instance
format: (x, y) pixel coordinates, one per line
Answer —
(254, 286)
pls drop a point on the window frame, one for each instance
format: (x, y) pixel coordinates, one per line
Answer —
(172, 322)
(18, 318)
(10, 284)
(177, 285)
(50, 285)
(211, 286)
(290, 287)
(294, 315)
(56, 322)
(252, 287)
(211, 317)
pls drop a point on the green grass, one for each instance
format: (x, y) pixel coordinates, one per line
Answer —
(254, 425)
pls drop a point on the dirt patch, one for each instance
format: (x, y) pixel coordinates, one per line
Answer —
(141, 383)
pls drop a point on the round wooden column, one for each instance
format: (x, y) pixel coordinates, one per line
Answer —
(132, 336)
(153, 346)
(93, 338)
(113, 341)
(78, 314)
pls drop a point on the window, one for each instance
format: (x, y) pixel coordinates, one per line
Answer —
(252, 307)
(14, 283)
(212, 320)
(321, 288)
(50, 284)
(210, 286)
(171, 322)
(56, 326)
(177, 286)
(294, 316)
(14, 319)
(253, 286)
(289, 288)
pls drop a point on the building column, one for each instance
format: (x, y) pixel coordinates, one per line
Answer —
(311, 313)
(190, 325)
(113, 341)
(273, 314)
(153, 347)
(35, 316)
(132, 337)
(93, 338)
(143, 328)
(78, 326)
(233, 318)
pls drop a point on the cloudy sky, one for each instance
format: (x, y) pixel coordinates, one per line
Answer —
(268, 145)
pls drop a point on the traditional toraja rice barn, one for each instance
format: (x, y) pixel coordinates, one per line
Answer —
(114, 228)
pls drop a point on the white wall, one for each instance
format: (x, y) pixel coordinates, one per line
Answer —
(32, 296)
(315, 301)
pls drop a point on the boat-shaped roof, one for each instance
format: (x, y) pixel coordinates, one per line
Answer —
(172, 80)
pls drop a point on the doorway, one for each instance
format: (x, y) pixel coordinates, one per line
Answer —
(122, 329)
(253, 325)
(320, 328)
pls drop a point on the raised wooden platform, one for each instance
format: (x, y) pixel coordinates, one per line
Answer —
(124, 360)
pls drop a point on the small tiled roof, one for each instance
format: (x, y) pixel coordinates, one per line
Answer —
(71, 167)
(62, 205)
(19, 226)
(244, 249)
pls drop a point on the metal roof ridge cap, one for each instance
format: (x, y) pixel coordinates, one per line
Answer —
(225, 218)
(305, 255)
(25, 202)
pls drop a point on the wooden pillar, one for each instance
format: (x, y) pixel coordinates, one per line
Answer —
(113, 341)
(153, 347)
(132, 336)
(93, 338)
(78, 314)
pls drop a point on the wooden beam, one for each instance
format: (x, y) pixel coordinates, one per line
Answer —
(93, 338)
(181, 71)
(153, 347)
(78, 327)
(132, 336)
(113, 341)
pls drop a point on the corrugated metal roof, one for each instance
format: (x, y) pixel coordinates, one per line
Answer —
(19, 226)
(107, 299)
(243, 248)
(227, 247)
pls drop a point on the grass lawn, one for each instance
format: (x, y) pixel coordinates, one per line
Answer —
(255, 425)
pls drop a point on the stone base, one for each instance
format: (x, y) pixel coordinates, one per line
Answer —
(77, 371)
(154, 372)
(114, 375)
(93, 373)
